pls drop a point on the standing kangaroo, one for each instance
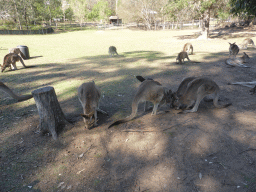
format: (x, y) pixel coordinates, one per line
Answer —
(188, 47)
(196, 90)
(233, 49)
(11, 59)
(89, 96)
(13, 95)
(149, 90)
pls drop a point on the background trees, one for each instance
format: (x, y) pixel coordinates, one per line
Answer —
(22, 13)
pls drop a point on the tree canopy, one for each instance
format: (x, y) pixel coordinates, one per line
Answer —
(243, 8)
(29, 12)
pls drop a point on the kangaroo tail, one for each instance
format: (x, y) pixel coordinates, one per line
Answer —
(13, 95)
(121, 121)
(133, 114)
(24, 97)
(216, 103)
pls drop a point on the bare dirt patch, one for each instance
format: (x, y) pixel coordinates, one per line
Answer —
(210, 150)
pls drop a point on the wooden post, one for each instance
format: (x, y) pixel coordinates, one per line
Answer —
(52, 119)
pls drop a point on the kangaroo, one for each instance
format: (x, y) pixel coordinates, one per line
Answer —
(13, 95)
(251, 84)
(89, 96)
(112, 51)
(238, 61)
(149, 90)
(196, 90)
(233, 49)
(246, 42)
(181, 56)
(188, 47)
(17, 51)
(11, 59)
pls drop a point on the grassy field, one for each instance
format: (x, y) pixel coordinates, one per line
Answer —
(30, 162)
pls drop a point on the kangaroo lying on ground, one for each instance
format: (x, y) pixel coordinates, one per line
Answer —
(17, 51)
(11, 59)
(13, 95)
(89, 96)
(188, 47)
(149, 90)
(251, 84)
(112, 51)
(238, 61)
(197, 89)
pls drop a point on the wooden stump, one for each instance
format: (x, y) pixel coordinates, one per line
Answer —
(52, 119)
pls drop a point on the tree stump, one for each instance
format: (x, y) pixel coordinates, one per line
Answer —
(52, 119)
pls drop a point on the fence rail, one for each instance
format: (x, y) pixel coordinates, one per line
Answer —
(26, 32)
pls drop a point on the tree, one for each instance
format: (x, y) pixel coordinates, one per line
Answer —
(69, 13)
(146, 11)
(79, 8)
(100, 11)
(243, 8)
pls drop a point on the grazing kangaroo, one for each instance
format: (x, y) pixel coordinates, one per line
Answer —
(13, 95)
(181, 56)
(238, 61)
(112, 51)
(149, 90)
(11, 59)
(183, 86)
(246, 42)
(196, 90)
(188, 47)
(17, 51)
(89, 96)
(233, 49)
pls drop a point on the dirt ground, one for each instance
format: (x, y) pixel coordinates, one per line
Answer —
(210, 150)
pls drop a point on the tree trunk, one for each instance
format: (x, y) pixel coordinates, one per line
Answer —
(17, 13)
(207, 22)
(52, 119)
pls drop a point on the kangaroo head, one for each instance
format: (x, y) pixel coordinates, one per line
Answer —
(175, 101)
(2, 68)
(88, 119)
(168, 95)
